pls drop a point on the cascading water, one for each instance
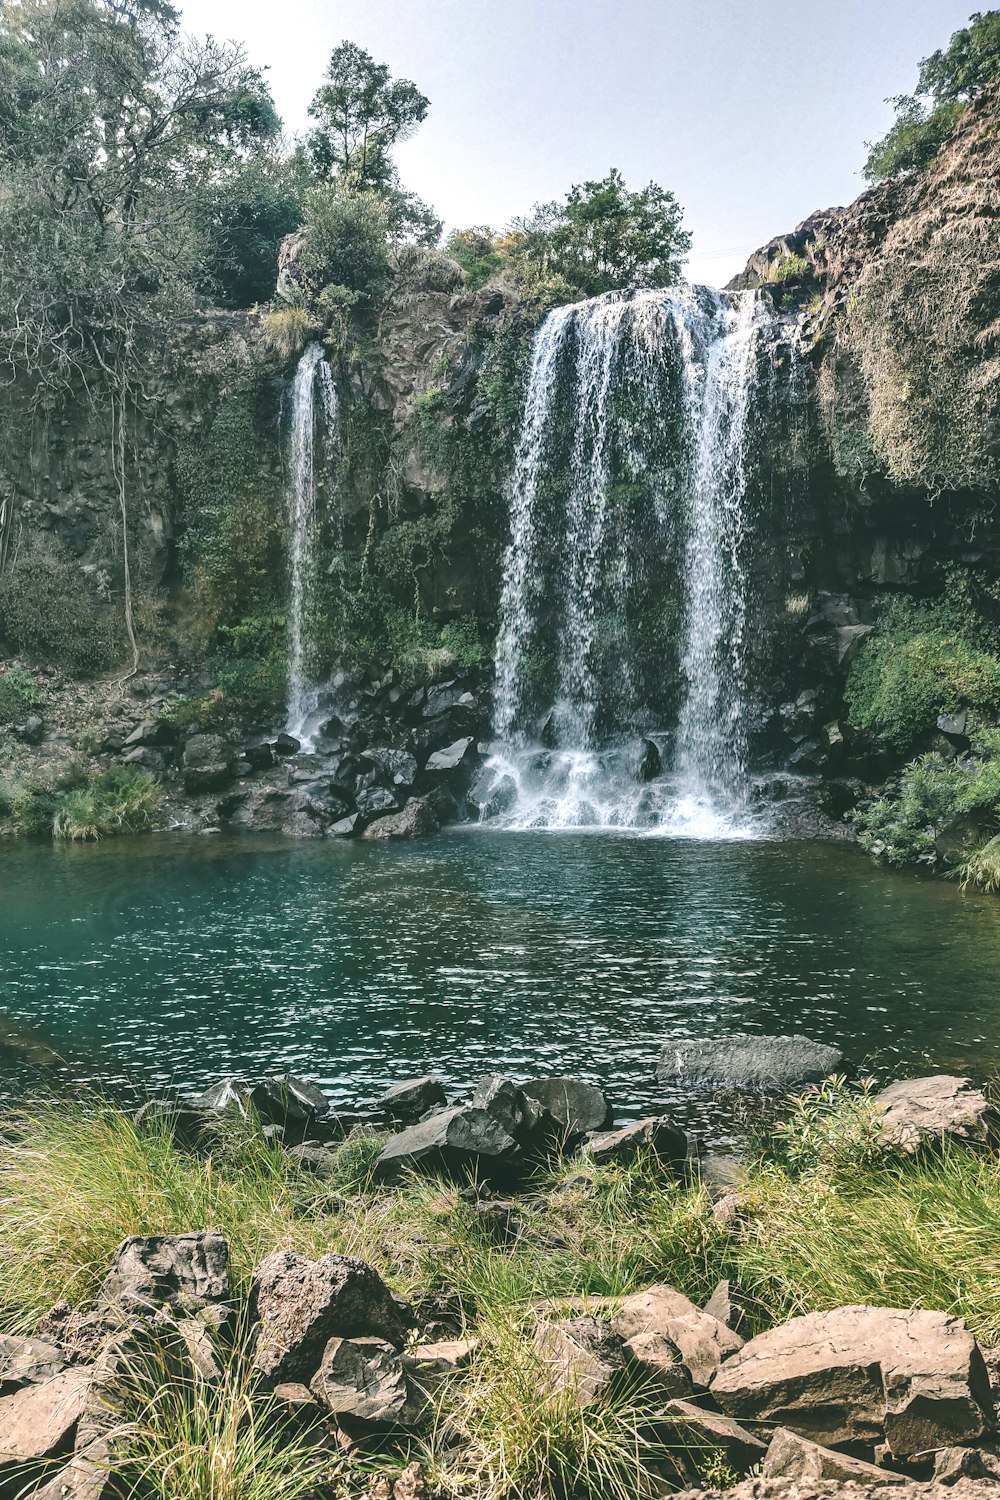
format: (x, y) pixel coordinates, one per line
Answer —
(312, 424)
(621, 665)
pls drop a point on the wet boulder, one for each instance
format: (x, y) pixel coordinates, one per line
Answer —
(742, 1061)
(404, 1103)
(287, 744)
(290, 1102)
(209, 763)
(920, 1112)
(657, 1137)
(650, 761)
(185, 1273)
(577, 1106)
(525, 1119)
(396, 768)
(299, 1305)
(857, 1377)
(452, 757)
(455, 1140)
(374, 801)
(417, 820)
(492, 793)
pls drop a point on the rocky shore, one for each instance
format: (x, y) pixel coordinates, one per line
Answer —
(402, 1373)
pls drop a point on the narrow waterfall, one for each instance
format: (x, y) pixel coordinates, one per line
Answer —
(621, 661)
(312, 427)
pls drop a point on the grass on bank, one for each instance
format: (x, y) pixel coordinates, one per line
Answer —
(827, 1220)
(72, 804)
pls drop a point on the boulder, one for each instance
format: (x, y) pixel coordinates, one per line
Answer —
(650, 761)
(858, 1376)
(710, 1433)
(373, 801)
(790, 1456)
(658, 1137)
(406, 1102)
(450, 757)
(287, 744)
(582, 1354)
(209, 763)
(259, 757)
(39, 1421)
(726, 1307)
(953, 1464)
(345, 828)
(314, 1158)
(523, 1117)
(749, 1062)
(395, 767)
(153, 732)
(300, 1305)
(454, 1140)
(418, 820)
(289, 1101)
(187, 1126)
(363, 1380)
(32, 731)
(186, 1273)
(25, 1361)
(219, 1098)
(694, 1337)
(492, 793)
(927, 1111)
(575, 1105)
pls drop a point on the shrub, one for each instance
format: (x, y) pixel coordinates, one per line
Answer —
(982, 868)
(901, 827)
(287, 331)
(120, 800)
(49, 609)
(924, 659)
(18, 695)
(787, 267)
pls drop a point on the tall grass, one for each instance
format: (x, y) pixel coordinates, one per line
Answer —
(123, 799)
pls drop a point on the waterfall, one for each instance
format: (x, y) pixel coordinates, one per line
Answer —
(312, 375)
(629, 514)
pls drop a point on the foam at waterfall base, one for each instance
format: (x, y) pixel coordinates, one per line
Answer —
(553, 790)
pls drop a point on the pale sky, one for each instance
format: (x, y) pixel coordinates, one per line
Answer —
(753, 112)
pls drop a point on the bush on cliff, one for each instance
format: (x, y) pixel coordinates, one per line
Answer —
(925, 658)
(902, 827)
(18, 695)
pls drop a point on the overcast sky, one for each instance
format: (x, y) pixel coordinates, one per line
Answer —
(753, 112)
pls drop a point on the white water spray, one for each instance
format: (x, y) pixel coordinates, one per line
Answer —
(617, 367)
(313, 425)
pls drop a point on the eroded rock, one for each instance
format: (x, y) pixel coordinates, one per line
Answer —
(858, 1376)
(927, 1111)
(658, 1137)
(186, 1273)
(694, 1337)
(363, 1379)
(791, 1456)
(749, 1062)
(453, 1140)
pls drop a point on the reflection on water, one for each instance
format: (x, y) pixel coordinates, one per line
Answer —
(174, 960)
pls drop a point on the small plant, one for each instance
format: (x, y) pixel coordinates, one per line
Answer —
(787, 267)
(831, 1125)
(18, 695)
(982, 868)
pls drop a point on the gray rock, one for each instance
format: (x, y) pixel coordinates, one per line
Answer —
(300, 1305)
(450, 758)
(32, 731)
(431, 1364)
(454, 1140)
(396, 767)
(749, 1062)
(209, 763)
(288, 1101)
(577, 1106)
(345, 828)
(918, 1112)
(154, 732)
(227, 1094)
(25, 1361)
(186, 1273)
(89, 1475)
(725, 1305)
(658, 1137)
(363, 1380)
(147, 759)
(376, 800)
(417, 820)
(287, 744)
(492, 793)
(861, 1376)
(522, 1117)
(405, 1103)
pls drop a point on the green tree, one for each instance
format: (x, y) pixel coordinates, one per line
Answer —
(948, 81)
(361, 113)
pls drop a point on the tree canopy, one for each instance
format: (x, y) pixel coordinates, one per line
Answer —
(948, 81)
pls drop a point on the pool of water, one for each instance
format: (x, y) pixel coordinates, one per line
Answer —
(175, 960)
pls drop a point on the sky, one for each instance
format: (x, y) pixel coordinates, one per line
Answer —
(753, 112)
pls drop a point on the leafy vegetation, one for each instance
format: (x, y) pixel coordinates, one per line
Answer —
(71, 804)
(925, 658)
(948, 81)
(18, 695)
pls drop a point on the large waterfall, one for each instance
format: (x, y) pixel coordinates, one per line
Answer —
(312, 428)
(621, 658)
